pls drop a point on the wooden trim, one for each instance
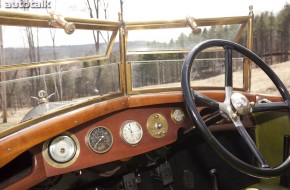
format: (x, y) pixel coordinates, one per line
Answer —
(120, 150)
(14, 144)
(36, 176)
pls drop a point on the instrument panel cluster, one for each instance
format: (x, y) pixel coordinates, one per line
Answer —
(121, 135)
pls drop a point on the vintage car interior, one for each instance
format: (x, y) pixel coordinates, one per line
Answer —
(97, 104)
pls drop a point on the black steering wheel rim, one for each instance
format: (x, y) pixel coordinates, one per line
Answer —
(189, 99)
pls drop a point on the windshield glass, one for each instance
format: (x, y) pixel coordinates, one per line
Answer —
(32, 44)
(48, 68)
(177, 38)
(45, 69)
(156, 57)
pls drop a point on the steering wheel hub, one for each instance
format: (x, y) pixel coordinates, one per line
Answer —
(241, 103)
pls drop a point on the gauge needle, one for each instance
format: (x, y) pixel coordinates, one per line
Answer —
(130, 129)
(101, 138)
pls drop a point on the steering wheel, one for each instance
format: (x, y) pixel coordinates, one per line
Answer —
(234, 106)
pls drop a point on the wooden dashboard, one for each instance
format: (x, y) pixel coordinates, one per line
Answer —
(28, 144)
(120, 149)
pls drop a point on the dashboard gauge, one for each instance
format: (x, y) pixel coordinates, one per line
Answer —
(62, 149)
(131, 132)
(157, 125)
(100, 139)
(177, 115)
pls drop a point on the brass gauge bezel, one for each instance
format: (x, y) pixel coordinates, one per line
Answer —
(90, 145)
(52, 162)
(173, 117)
(157, 125)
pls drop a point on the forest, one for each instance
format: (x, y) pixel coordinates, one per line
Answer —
(91, 78)
(271, 36)
(270, 42)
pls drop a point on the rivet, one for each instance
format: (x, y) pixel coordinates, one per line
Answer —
(234, 116)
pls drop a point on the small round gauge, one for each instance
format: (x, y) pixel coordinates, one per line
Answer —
(62, 149)
(100, 139)
(177, 115)
(131, 132)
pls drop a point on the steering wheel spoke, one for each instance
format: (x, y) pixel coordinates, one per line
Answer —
(228, 66)
(206, 100)
(249, 141)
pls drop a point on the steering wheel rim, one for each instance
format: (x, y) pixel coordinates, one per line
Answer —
(189, 98)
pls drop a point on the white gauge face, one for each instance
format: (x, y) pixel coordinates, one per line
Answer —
(177, 115)
(62, 149)
(131, 132)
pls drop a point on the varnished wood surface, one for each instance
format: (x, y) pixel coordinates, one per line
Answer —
(36, 176)
(15, 144)
(81, 120)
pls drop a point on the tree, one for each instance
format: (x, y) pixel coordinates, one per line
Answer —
(284, 31)
(96, 36)
(272, 28)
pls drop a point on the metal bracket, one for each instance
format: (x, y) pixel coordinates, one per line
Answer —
(192, 24)
(58, 21)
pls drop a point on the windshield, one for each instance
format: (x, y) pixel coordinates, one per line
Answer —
(157, 62)
(51, 63)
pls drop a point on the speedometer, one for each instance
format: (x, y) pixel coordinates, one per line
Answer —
(100, 139)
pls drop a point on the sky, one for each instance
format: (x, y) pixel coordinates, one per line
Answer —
(135, 10)
(170, 9)
(138, 10)
(141, 10)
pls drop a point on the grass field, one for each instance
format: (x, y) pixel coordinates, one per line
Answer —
(260, 82)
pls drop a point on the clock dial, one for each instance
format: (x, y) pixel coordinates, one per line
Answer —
(131, 132)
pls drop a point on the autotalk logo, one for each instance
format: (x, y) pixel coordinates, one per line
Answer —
(28, 4)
